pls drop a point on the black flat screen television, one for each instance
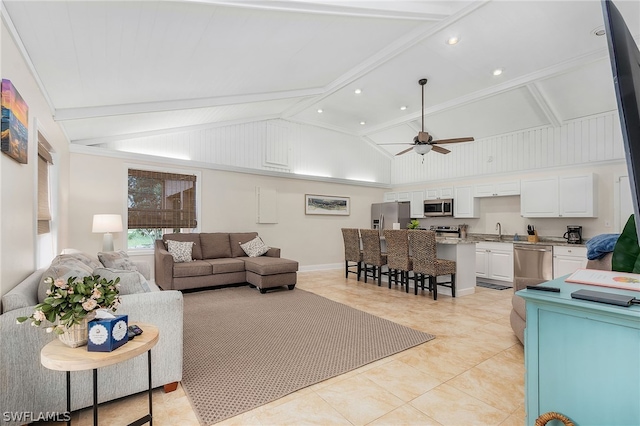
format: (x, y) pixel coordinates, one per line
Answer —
(625, 65)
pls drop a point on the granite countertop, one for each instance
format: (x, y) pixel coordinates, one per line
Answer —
(493, 238)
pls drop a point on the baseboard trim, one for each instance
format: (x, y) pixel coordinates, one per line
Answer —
(310, 268)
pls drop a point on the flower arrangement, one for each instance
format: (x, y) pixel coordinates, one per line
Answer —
(70, 302)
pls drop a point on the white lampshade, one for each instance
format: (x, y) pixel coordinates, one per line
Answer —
(107, 223)
(422, 149)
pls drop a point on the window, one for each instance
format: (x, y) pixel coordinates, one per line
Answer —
(159, 203)
(44, 211)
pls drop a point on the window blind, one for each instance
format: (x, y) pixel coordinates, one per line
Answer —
(161, 200)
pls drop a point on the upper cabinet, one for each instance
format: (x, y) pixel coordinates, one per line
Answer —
(390, 196)
(465, 205)
(564, 196)
(404, 196)
(417, 204)
(498, 189)
(438, 193)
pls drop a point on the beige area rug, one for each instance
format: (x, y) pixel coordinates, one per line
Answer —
(243, 349)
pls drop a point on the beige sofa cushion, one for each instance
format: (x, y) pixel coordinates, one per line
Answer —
(270, 265)
(197, 268)
(235, 239)
(196, 251)
(226, 265)
(215, 245)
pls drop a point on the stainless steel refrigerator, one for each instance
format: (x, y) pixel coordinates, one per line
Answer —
(384, 215)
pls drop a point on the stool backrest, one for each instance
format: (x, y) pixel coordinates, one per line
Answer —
(397, 248)
(351, 238)
(422, 244)
(371, 252)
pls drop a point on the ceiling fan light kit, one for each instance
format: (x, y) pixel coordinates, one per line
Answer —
(423, 143)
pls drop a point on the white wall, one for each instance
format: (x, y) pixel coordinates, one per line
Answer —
(18, 182)
(273, 145)
(98, 185)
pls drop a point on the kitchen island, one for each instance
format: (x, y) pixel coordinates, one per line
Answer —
(463, 252)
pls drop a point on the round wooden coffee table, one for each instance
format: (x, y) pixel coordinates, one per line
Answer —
(60, 357)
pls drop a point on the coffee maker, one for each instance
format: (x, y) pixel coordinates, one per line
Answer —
(573, 234)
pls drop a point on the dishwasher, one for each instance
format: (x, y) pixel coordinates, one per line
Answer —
(532, 264)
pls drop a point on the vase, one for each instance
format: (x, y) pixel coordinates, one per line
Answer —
(78, 334)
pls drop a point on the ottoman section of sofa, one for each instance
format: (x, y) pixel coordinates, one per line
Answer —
(268, 272)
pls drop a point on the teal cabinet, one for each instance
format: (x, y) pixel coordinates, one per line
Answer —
(582, 358)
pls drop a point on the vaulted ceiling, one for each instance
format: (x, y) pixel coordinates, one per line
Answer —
(119, 69)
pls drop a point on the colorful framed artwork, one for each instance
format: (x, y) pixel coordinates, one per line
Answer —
(328, 205)
(15, 119)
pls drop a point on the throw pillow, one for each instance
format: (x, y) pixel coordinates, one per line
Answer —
(255, 247)
(131, 282)
(180, 250)
(62, 268)
(116, 260)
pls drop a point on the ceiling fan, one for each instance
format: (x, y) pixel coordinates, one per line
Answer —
(423, 142)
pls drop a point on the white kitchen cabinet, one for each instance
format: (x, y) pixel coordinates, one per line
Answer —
(498, 189)
(494, 261)
(390, 196)
(438, 193)
(404, 196)
(539, 197)
(465, 205)
(578, 196)
(564, 196)
(568, 259)
(417, 204)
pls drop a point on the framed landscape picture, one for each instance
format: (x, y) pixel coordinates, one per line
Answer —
(325, 204)
(14, 138)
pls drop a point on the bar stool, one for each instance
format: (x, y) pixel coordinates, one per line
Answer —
(426, 263)
(398, 259)
(372, 255)
(352, 252)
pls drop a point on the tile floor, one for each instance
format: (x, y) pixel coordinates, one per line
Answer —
(471, 374)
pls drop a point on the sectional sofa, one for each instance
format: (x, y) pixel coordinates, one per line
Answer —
(218, 259)
(29, 387)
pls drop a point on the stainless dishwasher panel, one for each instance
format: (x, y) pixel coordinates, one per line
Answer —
(533, 262)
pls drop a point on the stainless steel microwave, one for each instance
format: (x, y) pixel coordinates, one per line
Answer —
(438, 207)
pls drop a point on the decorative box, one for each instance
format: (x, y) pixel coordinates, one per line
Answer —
(107, 334)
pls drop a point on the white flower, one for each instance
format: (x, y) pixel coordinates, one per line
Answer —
(89, 305)
(49, 329)
(48, 280)
(49, 292)
(60, 283)
(96, 294)
(39, 316)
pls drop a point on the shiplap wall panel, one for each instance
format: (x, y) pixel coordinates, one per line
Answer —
(580, 141)
(273, 145)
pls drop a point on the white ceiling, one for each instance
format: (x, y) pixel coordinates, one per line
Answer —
(120, 69)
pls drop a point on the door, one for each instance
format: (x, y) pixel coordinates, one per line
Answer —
(482, 263)
(501, 265)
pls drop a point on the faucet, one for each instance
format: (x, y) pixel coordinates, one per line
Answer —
(499, 229)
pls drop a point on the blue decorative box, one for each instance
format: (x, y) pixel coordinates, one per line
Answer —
(107, 334)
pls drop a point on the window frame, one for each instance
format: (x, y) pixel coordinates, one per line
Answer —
(157, 169)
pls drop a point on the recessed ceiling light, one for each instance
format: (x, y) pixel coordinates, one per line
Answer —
(497, 71)
(453, 40)
(358, 91)
(320, 111)
(403, 107)
(362, 123)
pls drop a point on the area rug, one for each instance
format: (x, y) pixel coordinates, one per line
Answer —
(243, 349)
(492, 285)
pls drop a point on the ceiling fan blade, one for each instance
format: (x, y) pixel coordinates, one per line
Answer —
(439, 149)
(423, 136)
(396, 143)
(405, 151)
(454, 140)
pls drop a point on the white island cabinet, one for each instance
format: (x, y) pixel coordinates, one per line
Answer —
(464, 254)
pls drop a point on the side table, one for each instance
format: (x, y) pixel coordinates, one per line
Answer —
(60, 357)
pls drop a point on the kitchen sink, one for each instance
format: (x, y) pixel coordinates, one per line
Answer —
(493, 239)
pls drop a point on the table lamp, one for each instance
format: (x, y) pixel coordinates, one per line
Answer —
(107, 223)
